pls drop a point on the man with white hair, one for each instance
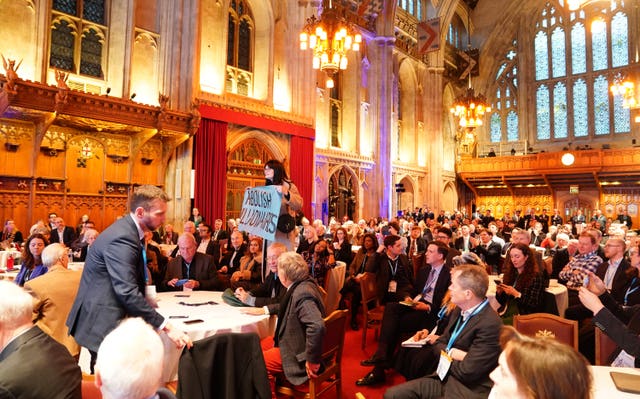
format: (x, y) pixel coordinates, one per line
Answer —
(32, 364)
(130, 361)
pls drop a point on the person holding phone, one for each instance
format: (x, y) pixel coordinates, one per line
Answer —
(190, 269)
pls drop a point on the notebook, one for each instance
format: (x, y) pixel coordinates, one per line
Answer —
(626, 382)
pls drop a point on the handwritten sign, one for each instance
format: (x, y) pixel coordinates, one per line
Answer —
(260, 211)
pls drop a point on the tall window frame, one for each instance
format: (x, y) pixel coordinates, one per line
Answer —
(240, 48)
(413, 7)
(503, 120)
(77, 40)
(573, 67)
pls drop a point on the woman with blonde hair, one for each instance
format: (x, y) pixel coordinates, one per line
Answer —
(540, 368)
(248, 275)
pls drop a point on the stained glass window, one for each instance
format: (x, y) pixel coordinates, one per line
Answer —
(619, 40)
(541, 56)
(601, 105)
(504, 117)
(542, 113)
(558, 53)
(621, 117)
(580, 115)
(496, 126)
(599, 48)
(78, 23)
(578, 48)
(560, 110)
(512, 126)
(240, 36)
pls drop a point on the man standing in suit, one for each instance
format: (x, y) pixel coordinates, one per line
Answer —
(468, 350)
(62, 233)
(32, 364)
(115, 276)
(195, 267)
(297, 341)
(53, 294)
(418, 311)
(272, 290)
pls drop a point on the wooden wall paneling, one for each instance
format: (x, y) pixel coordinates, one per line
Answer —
(15, 206)
(45, 203)
(51, 164)
(85, 163)
(16, 147)
(114, 207)
(78, 205)
(146, 167)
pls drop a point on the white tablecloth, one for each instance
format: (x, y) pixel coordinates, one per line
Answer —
(5, 254)
(603, 385)
(9, 275)
(560, 292)
(220, 318)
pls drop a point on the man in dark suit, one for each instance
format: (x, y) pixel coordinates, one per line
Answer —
(230, 262)
(444, 235)
(32, 364)
(62, 233)
(487, 249)
(613, 271)
(271, 290)
(393, 271)
(195, 267)
(463, 243)
(418, 311)
(218, 232)
(115, 276)
(471, 341)
(625, 219)
(206, 245)
(415, 243)
(297, 350)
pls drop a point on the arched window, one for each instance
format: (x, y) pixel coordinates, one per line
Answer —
(413, 7)
(504, 118)
(457, 33)
(240, 42)
(576, 56)
(78, 32)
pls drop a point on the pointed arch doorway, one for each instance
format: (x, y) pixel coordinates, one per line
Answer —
(245, 169)
(343, 194)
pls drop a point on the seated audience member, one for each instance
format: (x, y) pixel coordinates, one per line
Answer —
(563, 256)
(585, 261)
(206, 245)
(320, 261)
(230, 262)
(156, 261)
(81, 226)
(10, 234)
(192, 266)
(129, 364)
(522, 288)
(431, 285)
(89, 237)
(249, 273)
(613, 270)
(392, 270)
(188, 227)
(32, 364)
(471, 339)
(632, 293)
(53, 295)
(487, 249)
(416, 244)
(272, 290)
(196, 217)
(32, 266)
(610, 317)
(218, 232)
(444, 235)
(169, 237)
(297, 341)
(80, 241)
(531, 368)
(308, 240)
(62, 233)
(341, 246)
(363, 259)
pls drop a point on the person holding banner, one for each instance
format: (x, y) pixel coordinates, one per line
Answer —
(276, 175)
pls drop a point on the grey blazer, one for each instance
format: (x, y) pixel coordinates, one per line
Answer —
(112, 286)
(301, 330)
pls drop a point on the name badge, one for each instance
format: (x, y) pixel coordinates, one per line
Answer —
(624, 360)
(444, 365)
(393, 285)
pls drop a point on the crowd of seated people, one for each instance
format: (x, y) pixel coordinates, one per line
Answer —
(424, 291)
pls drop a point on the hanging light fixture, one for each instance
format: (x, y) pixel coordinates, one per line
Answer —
(331, 37)
(470, 107)
(574, 5)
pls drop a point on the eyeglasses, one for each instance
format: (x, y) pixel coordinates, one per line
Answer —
(442, 237)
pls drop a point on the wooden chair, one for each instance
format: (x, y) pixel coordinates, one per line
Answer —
(89, 388)
(605, 346)
(547, 325)
(332, 346)
(371, 317)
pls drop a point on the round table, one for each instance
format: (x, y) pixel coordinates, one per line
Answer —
(603, 386)
(179, 307)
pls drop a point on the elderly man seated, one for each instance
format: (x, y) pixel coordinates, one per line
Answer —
(297, 341)
(190, 269)
(129, 364)
(32, 364)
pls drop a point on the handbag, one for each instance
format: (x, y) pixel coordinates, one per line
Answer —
(286, 223)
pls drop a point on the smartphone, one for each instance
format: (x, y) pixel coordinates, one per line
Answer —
(498, 282)
(586, 281)
(181, 282)
(194, 321)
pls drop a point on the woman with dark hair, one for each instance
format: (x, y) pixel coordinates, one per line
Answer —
(276, 175)
(320, 260)
(365, 256)
(632, 294)
(32, 259)
(540, 368)
(341, 245)
(10, 234)
(523, 284)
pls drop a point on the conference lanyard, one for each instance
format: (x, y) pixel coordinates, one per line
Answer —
(459, 327)
(392, 268)
(630, 291)
(144, 258)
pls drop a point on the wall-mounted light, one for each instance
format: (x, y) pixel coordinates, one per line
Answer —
(133, 96)
(567, 159)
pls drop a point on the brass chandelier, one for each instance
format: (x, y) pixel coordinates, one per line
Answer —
(331, 37)
(470, 108)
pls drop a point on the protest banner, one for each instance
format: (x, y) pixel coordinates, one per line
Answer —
(260, 211)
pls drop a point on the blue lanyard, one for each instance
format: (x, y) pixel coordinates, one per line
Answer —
(459, 327)
(144, 258)
(631, 291)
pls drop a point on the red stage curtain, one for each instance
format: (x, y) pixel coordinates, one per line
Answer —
(301, 170)
(211, 169)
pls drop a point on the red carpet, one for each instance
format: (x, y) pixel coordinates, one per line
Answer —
(352, 370)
